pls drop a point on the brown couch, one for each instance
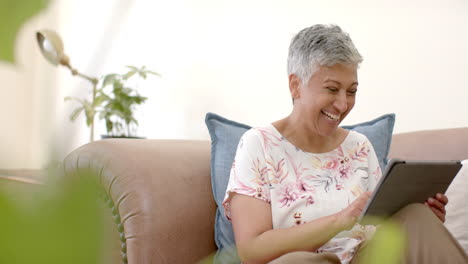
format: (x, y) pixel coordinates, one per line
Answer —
(159, 191)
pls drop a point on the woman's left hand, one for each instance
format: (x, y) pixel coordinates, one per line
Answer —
(437, 205)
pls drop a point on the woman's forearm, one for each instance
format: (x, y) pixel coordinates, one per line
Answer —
(276, 242)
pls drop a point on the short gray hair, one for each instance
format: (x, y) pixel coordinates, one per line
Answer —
(320, 45)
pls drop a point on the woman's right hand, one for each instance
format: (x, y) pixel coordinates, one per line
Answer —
(348, 216)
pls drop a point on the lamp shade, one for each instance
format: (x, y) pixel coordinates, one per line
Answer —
(51, 46)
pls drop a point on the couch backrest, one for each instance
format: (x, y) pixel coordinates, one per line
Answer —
(441, 144)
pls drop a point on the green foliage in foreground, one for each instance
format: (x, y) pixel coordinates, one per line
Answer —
(13, 14)
(387, 245)
(61, 222)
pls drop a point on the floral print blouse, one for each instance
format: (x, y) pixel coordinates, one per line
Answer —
(302, 186)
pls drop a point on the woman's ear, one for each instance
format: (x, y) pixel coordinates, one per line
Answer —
(294, 83)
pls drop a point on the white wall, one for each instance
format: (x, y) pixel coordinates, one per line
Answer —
(229, 57)
(27, 99)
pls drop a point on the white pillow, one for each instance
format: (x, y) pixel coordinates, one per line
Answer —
(457, 210)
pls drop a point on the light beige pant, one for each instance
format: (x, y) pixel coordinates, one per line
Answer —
(429, 242)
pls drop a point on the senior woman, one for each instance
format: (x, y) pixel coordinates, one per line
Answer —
(298, 185)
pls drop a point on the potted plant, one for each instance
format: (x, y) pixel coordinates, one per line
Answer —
(114, 99)
(118, 98)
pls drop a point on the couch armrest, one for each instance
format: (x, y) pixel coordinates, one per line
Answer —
(160, 191)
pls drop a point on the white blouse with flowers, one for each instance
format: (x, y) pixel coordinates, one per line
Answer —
(302, 186)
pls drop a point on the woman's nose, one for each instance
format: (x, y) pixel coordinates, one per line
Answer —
(341, 102)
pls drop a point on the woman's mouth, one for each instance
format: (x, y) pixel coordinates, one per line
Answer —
(331, 116)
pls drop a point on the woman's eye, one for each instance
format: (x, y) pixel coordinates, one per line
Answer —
(352, 92)
(332, 89)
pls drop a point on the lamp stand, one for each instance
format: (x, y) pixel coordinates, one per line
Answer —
(94, 81)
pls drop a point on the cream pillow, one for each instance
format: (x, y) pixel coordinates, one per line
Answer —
(457, 209)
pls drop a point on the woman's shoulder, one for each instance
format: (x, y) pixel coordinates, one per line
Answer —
(260, 135)
(260, 131)
(251, 133)
(355, 137)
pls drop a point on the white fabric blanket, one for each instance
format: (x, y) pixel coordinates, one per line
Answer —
(457, 208)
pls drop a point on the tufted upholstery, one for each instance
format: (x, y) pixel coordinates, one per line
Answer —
(159, 191)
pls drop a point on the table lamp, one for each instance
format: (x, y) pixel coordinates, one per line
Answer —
(51, 47)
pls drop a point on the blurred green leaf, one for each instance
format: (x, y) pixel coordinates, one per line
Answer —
(63, 224)
(132, 67)
(109, 79)
(154, 73)
(387, 245)
(128, 75)
(13, 15)
(74, 115)
(207, 260)
(117, 85)
(142, 74)
(101, 98)
(109, 125)
(89, 111)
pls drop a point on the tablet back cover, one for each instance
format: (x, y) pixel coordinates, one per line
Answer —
(406, 182)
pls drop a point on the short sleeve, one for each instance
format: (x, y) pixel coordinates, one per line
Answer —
(375, 172)
(249, 171)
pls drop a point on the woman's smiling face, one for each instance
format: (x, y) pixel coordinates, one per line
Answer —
(327, 98)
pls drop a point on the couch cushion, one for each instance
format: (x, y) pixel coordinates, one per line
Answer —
(225, 135)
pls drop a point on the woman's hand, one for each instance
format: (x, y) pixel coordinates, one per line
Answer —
(350, 214)
(437, 205)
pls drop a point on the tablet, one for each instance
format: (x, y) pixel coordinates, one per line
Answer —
(405, 182)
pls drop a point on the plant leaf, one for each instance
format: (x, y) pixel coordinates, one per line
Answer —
(109, 79)
(132, 67)
(89, 112)
(142, 74)
(76, 113)
(129, 74)
(154, 73)
(100, 99)
(109, 126)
